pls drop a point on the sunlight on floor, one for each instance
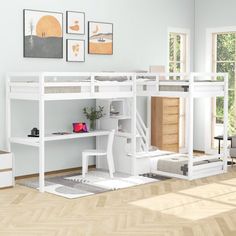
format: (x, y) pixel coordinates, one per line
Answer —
(227, 198)
(165, 202)
(195, 203)
(198, 210)
(230, 181)
(209, 190)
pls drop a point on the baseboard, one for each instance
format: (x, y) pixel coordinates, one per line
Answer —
(8, 187)
(52, 172)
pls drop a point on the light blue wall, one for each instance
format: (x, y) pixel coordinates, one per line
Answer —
(140, 40)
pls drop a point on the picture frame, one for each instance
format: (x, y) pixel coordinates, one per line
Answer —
(42, 34)
(100, 38)
(75, 50)
(75, 22)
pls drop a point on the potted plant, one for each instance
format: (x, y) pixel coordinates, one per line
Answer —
(93, 114)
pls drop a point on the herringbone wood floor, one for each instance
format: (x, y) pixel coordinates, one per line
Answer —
(171, 207)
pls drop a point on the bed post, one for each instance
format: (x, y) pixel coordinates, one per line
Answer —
(41, 134)
(225, 138)
(92, 83)
(133, 128)
(8, 114)
(149, 124)
(190, 126)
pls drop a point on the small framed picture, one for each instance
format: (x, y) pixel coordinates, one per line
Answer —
(100, 38)
(75, 50)
(75, 22)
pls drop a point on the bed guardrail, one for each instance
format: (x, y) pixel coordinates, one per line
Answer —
(84, 85)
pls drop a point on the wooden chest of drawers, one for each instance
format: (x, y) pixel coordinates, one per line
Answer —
(6, 170)
(165, 123)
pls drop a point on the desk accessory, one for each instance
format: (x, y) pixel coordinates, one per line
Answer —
(80, 127)
(34, 133)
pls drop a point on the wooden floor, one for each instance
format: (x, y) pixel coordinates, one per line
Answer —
(172, 207)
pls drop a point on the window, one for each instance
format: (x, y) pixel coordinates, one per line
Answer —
(178, 63)
(177, 53)
(224, 60)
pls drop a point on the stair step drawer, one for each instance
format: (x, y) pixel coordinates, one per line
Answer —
(6, 179)
(170, 139)
(171, 119)
(170, 129)
(170, 102)
(5, 161)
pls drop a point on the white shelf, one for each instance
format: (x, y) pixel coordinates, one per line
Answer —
(25, 141)
(120, 117)
(31, 141)
(126, 134)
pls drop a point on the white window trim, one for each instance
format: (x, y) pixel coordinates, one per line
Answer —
(208, 68)
(179, 31)
(188, 47)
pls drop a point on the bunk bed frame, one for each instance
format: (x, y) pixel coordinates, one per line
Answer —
(207, 87)
(56, 86)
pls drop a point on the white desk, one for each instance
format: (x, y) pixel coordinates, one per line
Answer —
(31, 141)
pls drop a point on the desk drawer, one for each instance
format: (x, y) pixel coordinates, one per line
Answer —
(171, 129)
(171, 110)
(170, 139)
(171, 119)
(5, 161)
(6, 179)
(170, 102)
(171, 147)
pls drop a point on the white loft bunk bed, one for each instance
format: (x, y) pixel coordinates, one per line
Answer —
(194, 86)
(56, 86)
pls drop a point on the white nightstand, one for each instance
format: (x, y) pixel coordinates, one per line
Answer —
(6, 170)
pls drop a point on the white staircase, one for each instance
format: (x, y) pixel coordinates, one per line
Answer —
(143, 133)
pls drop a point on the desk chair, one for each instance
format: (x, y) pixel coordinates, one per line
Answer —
(233, 149)
(99, 153)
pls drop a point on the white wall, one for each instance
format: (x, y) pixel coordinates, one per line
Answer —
(209, 14)
(140, 40)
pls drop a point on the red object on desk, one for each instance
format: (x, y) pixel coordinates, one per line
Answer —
(79, 127)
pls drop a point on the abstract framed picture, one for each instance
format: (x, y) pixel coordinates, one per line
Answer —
(75, 22)
(43, 34)
(75, 50)
(100, 38)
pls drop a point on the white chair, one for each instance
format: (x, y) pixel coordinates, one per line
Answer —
(108, 153)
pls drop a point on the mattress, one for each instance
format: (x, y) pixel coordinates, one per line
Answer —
(49, 90)
(179, 164)
(111, 78)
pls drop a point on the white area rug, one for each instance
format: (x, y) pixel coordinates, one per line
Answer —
(98, 181)
(102, 179)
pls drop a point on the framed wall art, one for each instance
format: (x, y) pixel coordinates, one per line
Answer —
(75, 50)
(43, 34)
(75, 22)
(100, 38)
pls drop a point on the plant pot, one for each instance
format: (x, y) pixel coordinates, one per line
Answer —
(92, 124)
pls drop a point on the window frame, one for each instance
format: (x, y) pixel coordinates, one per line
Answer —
(187, 53)
(209, 106)
(186, 32)
(214, 69)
